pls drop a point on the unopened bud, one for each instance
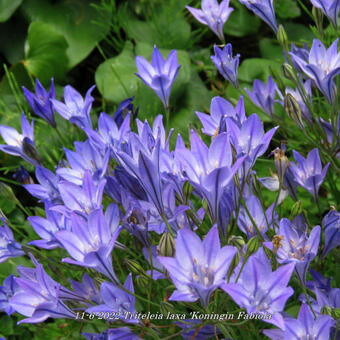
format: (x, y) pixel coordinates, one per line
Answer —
(252, 246)
(7, 192)
(166, 308)
(288, 71)
(336, 313)
(326, 310)
(293, 110)
(142, 281)
(296, 210)
(30, 150)
(233, 264)
(318, 18)
(135, 267)
(237, 241)
(282, 37)
(167, 245)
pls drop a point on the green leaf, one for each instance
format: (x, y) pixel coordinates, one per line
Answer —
(298, 32)
(270, 49)
(253, 68)
(6, 325)
(7, 8)
(46, 54)
(115, 77)
(241, 22)
(287, 9)
(74, 19)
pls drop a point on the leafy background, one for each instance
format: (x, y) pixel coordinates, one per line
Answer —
(81, 42)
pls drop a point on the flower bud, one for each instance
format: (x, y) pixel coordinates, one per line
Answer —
(282, 37)
(142, 281)
(335, 313)
(318, 18)
(252, 246)
(135, 267)
(7, 192)
(288, 71)
(293, 110)
(233, 264)
(167, 245)
(237, 241)
(281, 161)
(326, 310)
(296, 210)
(166, 308)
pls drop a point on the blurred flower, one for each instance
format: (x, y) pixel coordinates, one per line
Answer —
(296, 248)
(260, 290)
(262, 219)
(160, 74)
(121, 333)
(264, 9)
(22, 176)
(87, 290)
(263, 95)
(7, 290)
(226, 64)
(213, 14)
(331, 225)
(47, 227)
(322, 66)
(198, 267)
(21, 145)
(117, 301)
(308, 172)
(90, 243)
(39, 296)
(125, 108)
(202, 332)
(75, 109)
(40, 101)
(330, 8)
(8, 246)
(304, 327)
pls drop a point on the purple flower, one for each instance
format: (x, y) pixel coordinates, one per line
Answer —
(330, 8)
(86, 289)
(7, 290)
(47, 190)
(40, 101)
(125, 108)
(199, 267)
(263, 95)
(156, 274)
(22, 176)
(249, 139)
(117, 300)
(262, 219)
(331, 225)
(160, 74)
(308, 172)
(322, 66)
(84, 158)
(21, 145)
(296, 248)
(260, 290)
(121, 333)
(226, 64)
(213, 14)
(202, 332)
(304, 327)
(90, 243)
(264, 9)
(209, 170)
(82, 199)
(47, 227)
(220, 109)
(39, 296)
(75, 109)
(8, 246)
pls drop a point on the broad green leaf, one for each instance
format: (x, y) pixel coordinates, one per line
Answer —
(241, 22)
(46, 53)
(115, 77)
(298, 32)
(74, 19)
(270, 49)
(166, 27)
(253, 68)
(287, 9)
(7, 8)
